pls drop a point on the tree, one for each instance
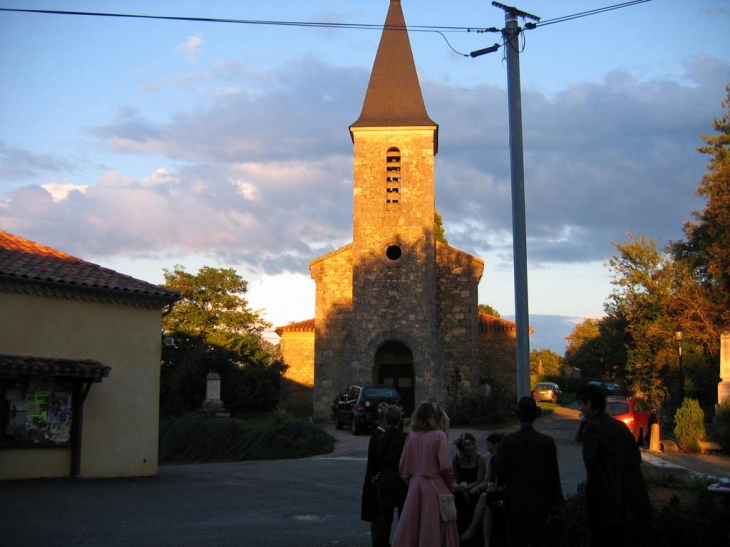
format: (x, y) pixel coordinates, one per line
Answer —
(706, 249)
(438, 228)
(211, 301)
(545, 362)
(489, 310)
(215, 330)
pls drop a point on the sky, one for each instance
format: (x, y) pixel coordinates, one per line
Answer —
(139, 144)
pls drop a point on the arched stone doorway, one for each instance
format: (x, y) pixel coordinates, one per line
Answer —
(393, 366)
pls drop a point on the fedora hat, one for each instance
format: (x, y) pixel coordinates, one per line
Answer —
(526, 407)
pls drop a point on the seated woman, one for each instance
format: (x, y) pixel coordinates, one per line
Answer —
(470, 470)
(488, 507)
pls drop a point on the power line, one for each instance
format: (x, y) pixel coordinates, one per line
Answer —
(353, 26)
(587, 13)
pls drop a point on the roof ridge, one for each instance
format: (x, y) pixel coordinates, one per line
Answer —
(30, 262)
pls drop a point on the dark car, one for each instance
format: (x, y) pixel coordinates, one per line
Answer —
(635, 413)
(547, 391)
(358, 406)
(610, 388)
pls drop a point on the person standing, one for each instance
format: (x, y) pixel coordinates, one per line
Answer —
(616, 494)
(369, 503)
(392, 490)
(426, 467)
(527, 468)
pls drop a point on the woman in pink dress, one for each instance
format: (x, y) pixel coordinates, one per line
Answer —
(425, 466)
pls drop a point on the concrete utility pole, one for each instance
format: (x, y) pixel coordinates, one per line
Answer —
(511, 35)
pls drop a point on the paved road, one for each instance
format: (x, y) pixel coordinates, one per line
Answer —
(312, 502)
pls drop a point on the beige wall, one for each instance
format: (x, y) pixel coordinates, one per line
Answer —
(120, 430)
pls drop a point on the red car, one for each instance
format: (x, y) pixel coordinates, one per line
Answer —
(635, 413)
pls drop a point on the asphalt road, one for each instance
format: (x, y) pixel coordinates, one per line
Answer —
(312, 502)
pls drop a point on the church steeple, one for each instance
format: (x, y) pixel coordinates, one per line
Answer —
(393, 97)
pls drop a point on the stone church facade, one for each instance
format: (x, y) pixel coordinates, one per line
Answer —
(395, 306)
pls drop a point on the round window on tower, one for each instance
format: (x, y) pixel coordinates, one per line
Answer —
(393, 252)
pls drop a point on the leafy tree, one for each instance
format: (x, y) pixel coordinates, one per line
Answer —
(215, 330)
(545, 362)
(211, 302)
(706, 249)
(489, 310)
(438, 228)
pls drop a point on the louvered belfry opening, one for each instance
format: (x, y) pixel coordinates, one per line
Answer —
(392, 177)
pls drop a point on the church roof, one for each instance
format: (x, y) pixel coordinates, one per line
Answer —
(301, 326)
(28, 264)
(487, 323)
(393, 97)
(492, 323)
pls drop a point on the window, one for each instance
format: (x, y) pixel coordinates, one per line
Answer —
(392, 176)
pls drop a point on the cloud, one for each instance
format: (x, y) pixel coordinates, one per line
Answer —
(17, 164)
(191, 47)
(60, 191)
(263, 177)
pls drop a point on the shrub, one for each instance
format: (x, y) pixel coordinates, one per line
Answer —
(701, 523)
(690, 425)
(723, 425)
(200, 438)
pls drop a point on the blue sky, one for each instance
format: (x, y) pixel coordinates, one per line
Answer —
(140, 144)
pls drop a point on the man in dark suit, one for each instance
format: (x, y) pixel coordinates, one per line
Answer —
(527, 466)
(369, 505)
(616, 494)
(392, 489)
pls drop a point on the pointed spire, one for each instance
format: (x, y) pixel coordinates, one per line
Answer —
(394, 97)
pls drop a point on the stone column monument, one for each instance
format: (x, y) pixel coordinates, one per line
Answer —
(723, 388)
(213, 402)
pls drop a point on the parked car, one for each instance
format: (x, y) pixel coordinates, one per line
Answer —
(358, 406)
(610, 387)
(547, 391)
(635, 413)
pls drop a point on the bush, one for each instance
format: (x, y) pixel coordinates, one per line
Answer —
(701, 523)
(201, 438)
(492, 409)
(723, 425)
(690, 425)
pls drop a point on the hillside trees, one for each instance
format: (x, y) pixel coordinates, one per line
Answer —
(545, 362)
(215, 330)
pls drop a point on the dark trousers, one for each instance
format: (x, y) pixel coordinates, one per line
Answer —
(381, 526)
(527, 532)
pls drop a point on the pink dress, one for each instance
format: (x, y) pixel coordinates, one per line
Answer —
(425, 457)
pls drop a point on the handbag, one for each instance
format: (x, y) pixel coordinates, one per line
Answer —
(447, 506)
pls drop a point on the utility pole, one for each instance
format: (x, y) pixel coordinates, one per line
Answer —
(511, 35)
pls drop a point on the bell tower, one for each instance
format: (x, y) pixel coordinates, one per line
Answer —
(393, 249)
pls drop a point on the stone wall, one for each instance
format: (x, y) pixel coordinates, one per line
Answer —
(457, 301)
(297, 350)
(333, 307)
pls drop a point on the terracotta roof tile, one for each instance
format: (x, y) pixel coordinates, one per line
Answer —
(18, 365)
(491, 323)
(23, 259)
(301, 326)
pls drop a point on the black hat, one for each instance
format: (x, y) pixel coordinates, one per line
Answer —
(527, 408)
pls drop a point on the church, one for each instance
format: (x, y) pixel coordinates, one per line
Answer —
(395, 306)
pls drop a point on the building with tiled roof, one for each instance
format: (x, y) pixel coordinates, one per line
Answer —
(67, 325)
(395, 306)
